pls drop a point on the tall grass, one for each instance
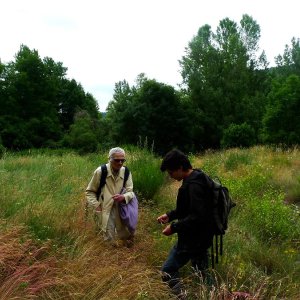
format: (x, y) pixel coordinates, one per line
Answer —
(262, 244)
(48, 251)
(147, 176)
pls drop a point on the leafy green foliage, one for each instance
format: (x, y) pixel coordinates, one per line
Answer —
(274, 220)
(228, 98)
(281, 121)
(149, 110)
(238, 136)
(83, 134)
(38, 103)
(289, 62)
(225, 79)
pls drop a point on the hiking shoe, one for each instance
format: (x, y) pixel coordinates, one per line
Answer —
(129, 243)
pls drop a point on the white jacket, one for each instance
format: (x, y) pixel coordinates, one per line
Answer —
(113, 186)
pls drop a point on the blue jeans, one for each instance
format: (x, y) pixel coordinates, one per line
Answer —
(176, 260)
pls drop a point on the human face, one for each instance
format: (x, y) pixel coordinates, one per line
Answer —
(117, 161)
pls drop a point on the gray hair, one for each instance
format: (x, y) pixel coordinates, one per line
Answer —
(115, 150)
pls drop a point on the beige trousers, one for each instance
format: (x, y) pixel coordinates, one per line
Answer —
(115, 229)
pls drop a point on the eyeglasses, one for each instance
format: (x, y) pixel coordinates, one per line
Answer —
(119, 160)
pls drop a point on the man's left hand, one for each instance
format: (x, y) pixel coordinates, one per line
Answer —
(118, 197)
(167, 231)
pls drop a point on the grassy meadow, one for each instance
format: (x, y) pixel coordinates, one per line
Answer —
(49, 248)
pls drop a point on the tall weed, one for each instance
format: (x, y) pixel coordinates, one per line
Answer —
(261, 252)
(147, 177)
(47, 252)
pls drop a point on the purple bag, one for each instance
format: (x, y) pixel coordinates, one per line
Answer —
(129, 214)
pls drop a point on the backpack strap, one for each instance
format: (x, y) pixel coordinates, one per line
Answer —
(103, 176)
(212, 255)
(102, 180)
(126, 175)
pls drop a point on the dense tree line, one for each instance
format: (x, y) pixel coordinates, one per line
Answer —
(229, 97)
(38, 102)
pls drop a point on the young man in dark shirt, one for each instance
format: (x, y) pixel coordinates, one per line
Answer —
(194, 225)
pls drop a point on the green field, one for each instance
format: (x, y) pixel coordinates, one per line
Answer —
(49, 250)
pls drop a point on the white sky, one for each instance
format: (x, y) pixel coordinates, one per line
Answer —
(103, 42)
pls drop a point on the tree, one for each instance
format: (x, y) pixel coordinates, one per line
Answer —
(83, 134)
(289, 62)
(281, 120)
(30, 108)
(38, 103)
(150, 110)
(162, 116)
(120, 115)
(224, 78)
(242, 135)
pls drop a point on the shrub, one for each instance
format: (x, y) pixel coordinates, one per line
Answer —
(238, 135)
(82, 135)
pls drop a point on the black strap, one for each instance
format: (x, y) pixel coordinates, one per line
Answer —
(102, 180)
(212, 253)
(104, 175)
(126, 175)
(217, 249)
(221, 244)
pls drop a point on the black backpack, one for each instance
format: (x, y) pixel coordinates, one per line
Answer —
(221, 206)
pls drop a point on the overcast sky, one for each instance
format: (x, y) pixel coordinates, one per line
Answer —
(103, 42)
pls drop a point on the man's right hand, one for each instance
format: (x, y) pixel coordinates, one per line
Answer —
(163, 219)
(167, 231)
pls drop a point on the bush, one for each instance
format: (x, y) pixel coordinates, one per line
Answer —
(238, 135)
(82, 135)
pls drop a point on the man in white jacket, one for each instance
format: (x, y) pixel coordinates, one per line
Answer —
(110, 196)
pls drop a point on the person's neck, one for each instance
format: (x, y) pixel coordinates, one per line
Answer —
(187, 173)
(114, 172)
